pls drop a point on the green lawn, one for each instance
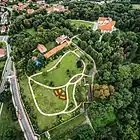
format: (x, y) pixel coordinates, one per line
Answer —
(44, 122)
(136, 6)
(31, 31)
(59, 76)
(50, 45)
(2, 63)
(81, 22)
(47, 101)
(75, 41)
(7, 124)
(71, 101)
(61, 130)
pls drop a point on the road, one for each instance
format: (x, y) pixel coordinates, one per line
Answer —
(8, 64)
(7, 67)
(26, 127)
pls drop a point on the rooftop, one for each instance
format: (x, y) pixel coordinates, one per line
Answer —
(2, 52)
(55, 50)
(105, 24)
(41, 48)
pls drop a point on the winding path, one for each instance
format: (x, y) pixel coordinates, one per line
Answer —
(66, 85)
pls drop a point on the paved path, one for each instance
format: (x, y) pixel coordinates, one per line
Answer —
(15, 90)
(66, 85)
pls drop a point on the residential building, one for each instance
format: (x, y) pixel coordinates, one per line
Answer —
(30, 11)
(106, 24)
(57, 8)
(41, 48)
(3, 28)
(62, 39)
(2, 53)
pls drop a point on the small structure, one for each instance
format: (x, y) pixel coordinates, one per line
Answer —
(30, 11)
(2, 53)
(37, 62)
(41, 48)
(57, 8)
(62, 39)
(3, 28)
(20, 6)
(106, 24)
(63, 97)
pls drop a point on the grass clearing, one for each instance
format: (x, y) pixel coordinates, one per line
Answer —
(47, 101)
(31, 31)
(136, 6)
(44, 122)
(59, 75)
(71, 101)
(2, 63)
(82, 22)
(50, 45)
(62, 129)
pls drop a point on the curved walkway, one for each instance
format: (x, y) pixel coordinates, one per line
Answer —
(66, 85)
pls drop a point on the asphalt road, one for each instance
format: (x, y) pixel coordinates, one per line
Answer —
(28, 132)
(7, 68)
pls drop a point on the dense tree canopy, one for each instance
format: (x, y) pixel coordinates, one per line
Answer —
(116, 54)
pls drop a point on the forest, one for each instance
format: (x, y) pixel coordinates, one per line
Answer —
(117, 57)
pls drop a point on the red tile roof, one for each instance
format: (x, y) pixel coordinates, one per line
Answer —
(41, 48)
(30, 11)
(105, 24)
(3, 28)
(55, 50)
(2, 52)
(107, 27)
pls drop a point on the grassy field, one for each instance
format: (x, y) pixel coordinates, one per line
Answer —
(62, 129)
(2, 63)
(50, 45)
(44, 122)
(31, 31)
(59, 76)
(71, 101)
(81, 22)
(47, 101)
(7, 124)
(136, 6)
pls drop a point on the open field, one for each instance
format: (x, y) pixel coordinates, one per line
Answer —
(62, 129)
(51, 45)
(2, 63)
(47, 101)
(82, 22)
(44, 122)
(71, 101)
(31, 31)
(59, 75)
(136, 6)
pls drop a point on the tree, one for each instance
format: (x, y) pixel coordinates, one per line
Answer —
(79, 64)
